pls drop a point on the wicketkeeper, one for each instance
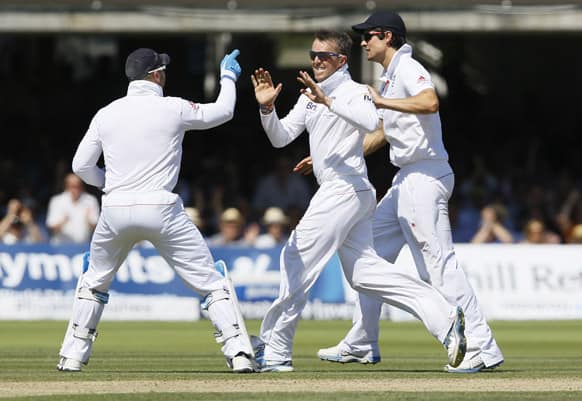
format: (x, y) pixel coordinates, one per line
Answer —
(140, 136)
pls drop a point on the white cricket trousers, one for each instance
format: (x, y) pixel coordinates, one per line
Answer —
(339, 218)
(127, 219)
(415, 211)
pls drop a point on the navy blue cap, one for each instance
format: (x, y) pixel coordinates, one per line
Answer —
(141, 61)
(387, 20)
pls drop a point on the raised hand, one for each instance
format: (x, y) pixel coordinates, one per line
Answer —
(315, 94)
(229, 67)
(265, 91)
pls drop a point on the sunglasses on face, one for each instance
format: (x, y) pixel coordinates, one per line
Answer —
(323, 56)
(369, 35)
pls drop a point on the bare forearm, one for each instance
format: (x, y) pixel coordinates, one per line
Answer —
(482, 236)
(502, 234)
(374, 141)
(35, 234)
(426, 102)
(5, 223)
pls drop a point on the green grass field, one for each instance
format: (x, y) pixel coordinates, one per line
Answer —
(181, 361)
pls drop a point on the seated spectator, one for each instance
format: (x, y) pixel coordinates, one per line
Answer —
(276, 223)
(535, 232)
(231, 230)
(18, 225)
(570, 214)
(575, 235)
(492, 229)
(72, 215)
(195, 216)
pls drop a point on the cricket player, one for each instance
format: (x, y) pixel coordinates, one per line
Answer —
(337, 113)
(140, 136)
(414, 211)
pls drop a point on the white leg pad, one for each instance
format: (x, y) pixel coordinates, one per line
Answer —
(222, 314)
(82, 329)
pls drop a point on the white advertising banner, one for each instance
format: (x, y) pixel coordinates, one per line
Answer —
(519, 282)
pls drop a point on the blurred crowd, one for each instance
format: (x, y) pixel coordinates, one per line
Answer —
(484, 209)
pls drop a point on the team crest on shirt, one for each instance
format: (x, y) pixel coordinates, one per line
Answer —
(421, 79)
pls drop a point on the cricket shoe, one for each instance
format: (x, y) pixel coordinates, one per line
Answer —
(69, 365)
(241, 363)
(455, 341)
(264, 365)
(275, 366)
(258, 349)
(472, 365)
(335, 354)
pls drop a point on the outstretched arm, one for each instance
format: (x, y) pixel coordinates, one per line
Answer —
(210, 115)
(426, 102)
(358, 110)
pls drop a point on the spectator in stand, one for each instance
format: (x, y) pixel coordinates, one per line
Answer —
(196, 218)
(535, 232)
(232, 230)
(570, 214)
(18, 225)
(492, 229)
(72, 215)
(281, 188)
(576, 235)
(276, 223)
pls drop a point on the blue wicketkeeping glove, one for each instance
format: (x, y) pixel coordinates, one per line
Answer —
(229, 67)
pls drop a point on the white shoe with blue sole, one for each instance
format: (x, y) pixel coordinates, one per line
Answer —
(335, 354)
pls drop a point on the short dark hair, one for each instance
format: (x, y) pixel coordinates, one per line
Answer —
(341, 39)
(397, 41)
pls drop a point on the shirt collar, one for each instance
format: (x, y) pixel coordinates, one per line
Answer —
(334, 80)
(142, 87)
(404, 51)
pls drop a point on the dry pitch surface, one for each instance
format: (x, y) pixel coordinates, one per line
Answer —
(475, 384)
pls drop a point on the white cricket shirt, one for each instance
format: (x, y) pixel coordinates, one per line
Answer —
(412, 137)
(140, 136)
(336, 134)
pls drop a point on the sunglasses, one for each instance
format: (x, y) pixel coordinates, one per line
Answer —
(369, 35)
(323, 56)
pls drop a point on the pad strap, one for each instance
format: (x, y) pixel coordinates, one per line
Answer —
(213, 297)
(93, 295)
(84, 333)
(227, 333)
